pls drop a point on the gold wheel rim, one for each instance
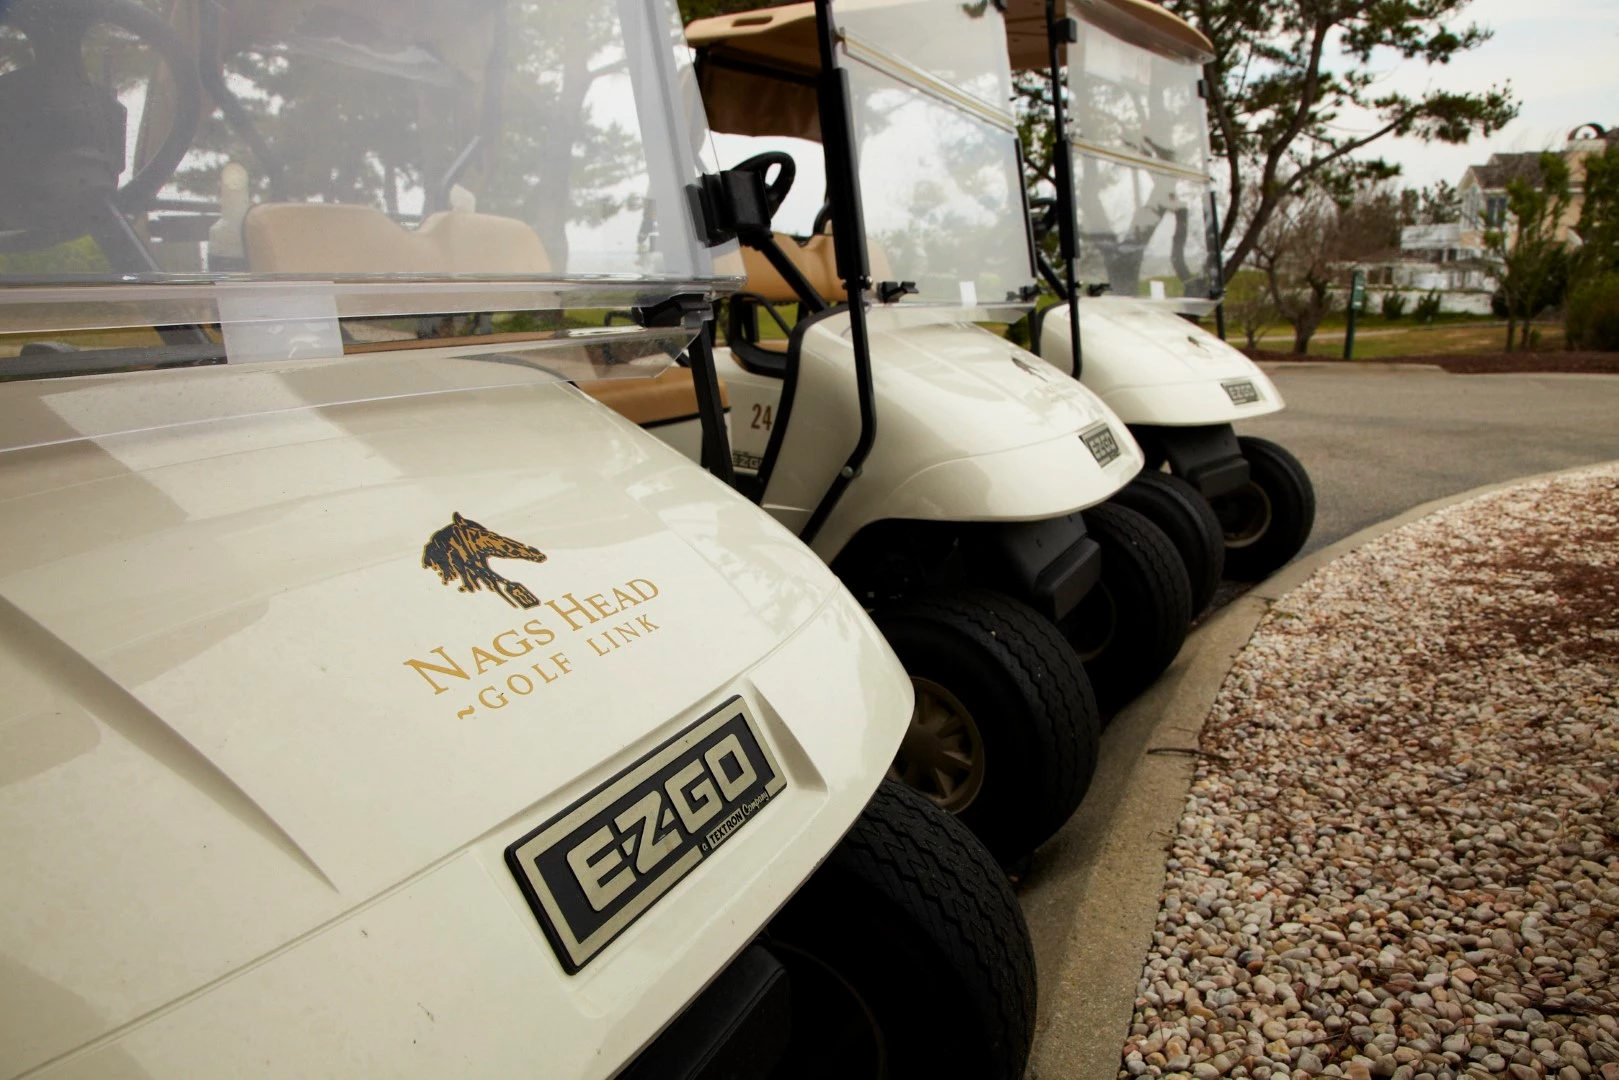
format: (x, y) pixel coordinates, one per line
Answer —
(1245, 515)
(942, 754)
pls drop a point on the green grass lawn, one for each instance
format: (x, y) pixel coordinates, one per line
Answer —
(1375, 336)
(1442, 337)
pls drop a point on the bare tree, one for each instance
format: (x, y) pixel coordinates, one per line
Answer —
(1308, 249)
(1249, 306)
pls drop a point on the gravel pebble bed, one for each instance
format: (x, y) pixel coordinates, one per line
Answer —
(1400, 853)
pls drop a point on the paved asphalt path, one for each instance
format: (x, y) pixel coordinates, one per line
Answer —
(1381, 438)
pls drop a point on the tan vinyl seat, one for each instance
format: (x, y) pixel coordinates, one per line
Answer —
(666, 399)
(336, 239)
(815, 260)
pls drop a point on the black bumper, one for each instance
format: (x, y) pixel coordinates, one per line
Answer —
(736, 1028)
(1049, 565)
(1209, 457)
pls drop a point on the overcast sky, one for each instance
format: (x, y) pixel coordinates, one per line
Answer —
(1562, 57)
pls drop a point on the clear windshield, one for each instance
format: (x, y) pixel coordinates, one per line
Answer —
(939, 173)
(1141, 149)
(189, 160)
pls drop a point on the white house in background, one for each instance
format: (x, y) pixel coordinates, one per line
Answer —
(1448, 259)
(1483, 190)
(1453, 258)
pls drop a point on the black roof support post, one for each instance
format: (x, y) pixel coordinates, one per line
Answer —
(849, 246)
(1058, 33)
(697, 313)
(710, 410)
(1217, 286)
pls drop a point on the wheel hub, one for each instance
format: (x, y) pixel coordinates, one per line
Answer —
(1245, 515)
(1091, 626)
(942, 754)
(840, 1034)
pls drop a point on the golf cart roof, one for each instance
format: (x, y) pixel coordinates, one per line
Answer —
(757, 68)
(1136, 22)
(782, 36)
(757, 71)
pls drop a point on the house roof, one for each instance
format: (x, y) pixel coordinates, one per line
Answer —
(1502, 169)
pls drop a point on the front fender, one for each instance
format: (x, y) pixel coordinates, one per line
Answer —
(1029, 483)
(969, 428)
(1153, 367)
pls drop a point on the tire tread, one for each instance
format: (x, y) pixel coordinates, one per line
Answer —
(1198, 536)
(1274, 550)
(1130, 664)
(1038, 657)
(933, 868)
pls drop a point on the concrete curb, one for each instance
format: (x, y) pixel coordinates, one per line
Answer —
(1091, 893)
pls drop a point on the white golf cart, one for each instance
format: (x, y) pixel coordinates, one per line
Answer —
(372, 700)
(1134, 213)
(914, 450)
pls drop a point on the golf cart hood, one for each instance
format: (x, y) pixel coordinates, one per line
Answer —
(1153, 367)
(260, 674)
(970, 428)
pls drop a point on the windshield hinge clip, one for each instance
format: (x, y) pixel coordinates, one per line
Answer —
(687, 310)
(889, 291)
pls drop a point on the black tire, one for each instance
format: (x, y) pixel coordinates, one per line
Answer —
(1131, 624)
(1267, 521)
(907, 954)
(1186, 517)
(1031, 725)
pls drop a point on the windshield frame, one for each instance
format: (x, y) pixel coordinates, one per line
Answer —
(874, 62)
(1088, 153)
(675, 152)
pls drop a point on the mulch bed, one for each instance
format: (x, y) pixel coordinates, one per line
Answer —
(1585, 363)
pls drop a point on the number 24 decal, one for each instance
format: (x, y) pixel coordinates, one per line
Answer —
(762, 417)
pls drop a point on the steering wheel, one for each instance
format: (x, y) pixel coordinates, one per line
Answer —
(1045, 222)
(823, 218)
(71, 164)
(775, 190)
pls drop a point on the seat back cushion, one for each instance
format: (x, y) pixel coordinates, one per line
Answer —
(341, 239)
(665, 399)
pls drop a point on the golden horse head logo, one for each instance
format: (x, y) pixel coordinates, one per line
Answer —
(463, 548)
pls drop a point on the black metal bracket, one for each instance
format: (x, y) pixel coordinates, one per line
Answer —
(687, 310)
(691, 311)
(889, 291)
(716, 454)
(729, 205)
